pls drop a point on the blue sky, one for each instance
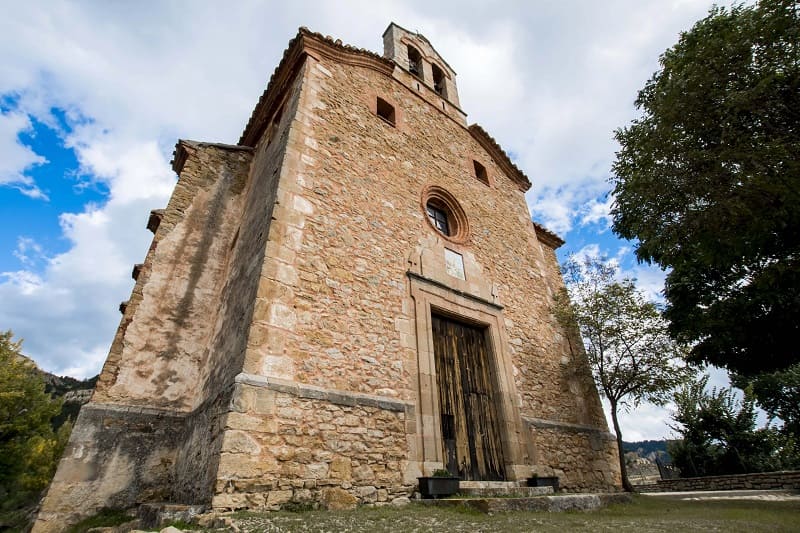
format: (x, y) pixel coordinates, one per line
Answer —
(93, 97)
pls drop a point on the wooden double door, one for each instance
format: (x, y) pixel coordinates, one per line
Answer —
(468, 399)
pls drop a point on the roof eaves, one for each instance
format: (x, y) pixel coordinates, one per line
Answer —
(502, 159)
(304, 43)
(547, 237)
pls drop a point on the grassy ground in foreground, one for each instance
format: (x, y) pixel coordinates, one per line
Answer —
(644, 514)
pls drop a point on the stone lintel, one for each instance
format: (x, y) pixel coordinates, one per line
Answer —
(415, 276)
(338, 397)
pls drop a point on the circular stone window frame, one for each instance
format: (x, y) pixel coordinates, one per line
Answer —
(456, 217)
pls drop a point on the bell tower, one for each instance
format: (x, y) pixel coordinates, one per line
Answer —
(422, 69)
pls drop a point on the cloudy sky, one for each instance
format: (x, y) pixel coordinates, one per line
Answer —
(93, 96)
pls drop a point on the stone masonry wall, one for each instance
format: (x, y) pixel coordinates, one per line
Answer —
(163, 349)
(585, 460)
(289, 443)
(758, 481)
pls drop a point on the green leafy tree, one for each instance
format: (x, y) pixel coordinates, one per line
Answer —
(719, 434)
(778, 393)
(632, 357)
(29, 449)
(708, 181)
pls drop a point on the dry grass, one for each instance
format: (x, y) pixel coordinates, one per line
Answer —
(644, 514)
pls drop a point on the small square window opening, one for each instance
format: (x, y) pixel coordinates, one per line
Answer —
(480, 172)
(386, 111)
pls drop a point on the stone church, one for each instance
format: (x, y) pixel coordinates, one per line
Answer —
(352, 296)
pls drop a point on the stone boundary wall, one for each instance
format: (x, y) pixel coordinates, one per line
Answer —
(760, 481)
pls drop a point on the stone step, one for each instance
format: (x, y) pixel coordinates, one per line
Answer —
(553, 504)
(504, 492)
(490, 484)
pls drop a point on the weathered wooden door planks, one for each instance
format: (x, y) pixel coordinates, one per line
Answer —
(467, 395)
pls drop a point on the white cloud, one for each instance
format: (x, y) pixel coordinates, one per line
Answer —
(649, 280)
(560, 208)
(28, 251)
(15, 157)
(21, 282)
(645, 422)
(597, 211)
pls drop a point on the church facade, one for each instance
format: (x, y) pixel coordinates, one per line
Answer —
(352, 296)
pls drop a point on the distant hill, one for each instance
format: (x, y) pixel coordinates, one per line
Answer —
(649, 449)
(61, 385)
(75, 392)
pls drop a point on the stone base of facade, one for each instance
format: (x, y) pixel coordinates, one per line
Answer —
(288, 443)
(274, 443)
(584, 458)
(117, 457)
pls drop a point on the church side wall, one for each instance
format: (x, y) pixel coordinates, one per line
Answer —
(121, 451)
(160, 358)
(579, 450)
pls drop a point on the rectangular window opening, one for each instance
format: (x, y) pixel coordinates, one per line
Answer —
(386, 111)
(480, 172)
(415, 62)
(438, 81)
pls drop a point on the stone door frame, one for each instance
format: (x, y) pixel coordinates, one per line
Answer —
(430, 297)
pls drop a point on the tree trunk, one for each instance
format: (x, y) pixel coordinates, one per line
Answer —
(626, 484)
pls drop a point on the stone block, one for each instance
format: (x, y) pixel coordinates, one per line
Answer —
(235, 441)
(341, 468)
(368, 494)
(363, 473)
(317, 470)
(264, 402)
(281, 316)
(336, 499)
(401, 501)
(277, 498)
(249, 423)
